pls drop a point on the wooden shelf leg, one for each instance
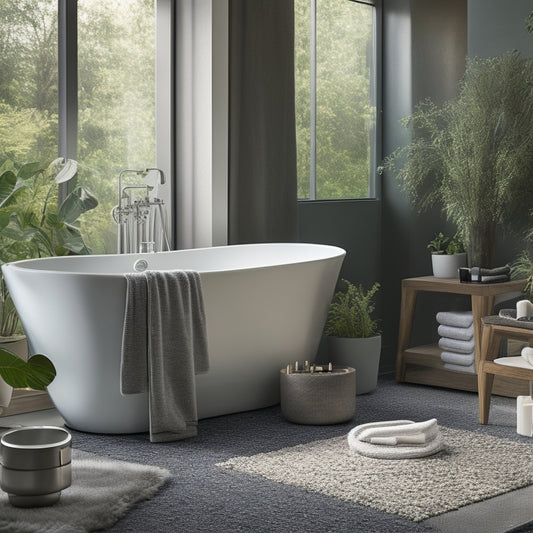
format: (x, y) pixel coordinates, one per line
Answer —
(485, 382)
(407, 311)
(481, 306)
(488, 349)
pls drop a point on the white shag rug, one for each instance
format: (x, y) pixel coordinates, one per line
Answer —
(102, 492)
(471, 467)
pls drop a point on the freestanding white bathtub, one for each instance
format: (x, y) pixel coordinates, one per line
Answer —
(265, 306)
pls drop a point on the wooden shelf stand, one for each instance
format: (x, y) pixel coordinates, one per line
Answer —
(423, 364)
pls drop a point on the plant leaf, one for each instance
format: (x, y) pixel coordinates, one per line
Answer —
(67, 172)
(76, 203)
(40, 372)
(37, 373)
(29, 170)
(12, 369)
(8, 182)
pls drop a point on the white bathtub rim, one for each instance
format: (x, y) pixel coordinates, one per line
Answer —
(24, 264)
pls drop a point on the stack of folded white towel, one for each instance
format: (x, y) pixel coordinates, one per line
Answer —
(456, 330)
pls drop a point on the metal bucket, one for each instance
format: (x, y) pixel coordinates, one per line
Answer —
(36, 463)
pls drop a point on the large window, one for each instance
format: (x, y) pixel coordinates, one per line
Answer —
(28, 80)
(114, 104)
(335, 73)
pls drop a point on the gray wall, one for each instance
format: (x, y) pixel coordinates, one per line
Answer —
(424, 48)
(495, 26)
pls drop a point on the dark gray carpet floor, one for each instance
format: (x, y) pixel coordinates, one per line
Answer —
(202, 497)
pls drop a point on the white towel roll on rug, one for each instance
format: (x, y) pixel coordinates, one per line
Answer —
(396, 439)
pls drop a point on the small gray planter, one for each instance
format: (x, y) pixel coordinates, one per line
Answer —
(447, 266)
(361, 354)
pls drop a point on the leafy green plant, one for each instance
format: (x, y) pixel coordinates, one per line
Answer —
(8, 313)
(473, 155)
(35, 374)
(442, 244)
(31, 223)
(522, 268)
(350, 313)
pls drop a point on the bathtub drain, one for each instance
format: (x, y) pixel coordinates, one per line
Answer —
(140, 265)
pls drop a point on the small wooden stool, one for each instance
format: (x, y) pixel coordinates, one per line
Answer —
(495, 329)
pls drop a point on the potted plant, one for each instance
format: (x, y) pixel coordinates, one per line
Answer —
(353, 335)
(32, 225)
(473, 155)
(36, 373)
(447, 255)
(10, 339)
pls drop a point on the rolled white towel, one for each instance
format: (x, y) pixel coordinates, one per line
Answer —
(524, 309)
(459, 319)
(527, 354)
(454, 345)
(453, 332)
(397, 439)
(463, 359)
(471, 369)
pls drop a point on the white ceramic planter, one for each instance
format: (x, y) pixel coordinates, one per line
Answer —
(361, 354)
(18, 345)
(447, 266)
(5, 395)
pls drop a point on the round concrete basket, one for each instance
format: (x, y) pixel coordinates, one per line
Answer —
(318, 398)
(36, 464)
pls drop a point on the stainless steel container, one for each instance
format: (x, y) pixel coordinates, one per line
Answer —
(36, 465)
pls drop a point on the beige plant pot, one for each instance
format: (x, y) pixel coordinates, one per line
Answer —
(18, 345)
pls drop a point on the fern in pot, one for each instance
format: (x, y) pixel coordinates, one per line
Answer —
(354, 338)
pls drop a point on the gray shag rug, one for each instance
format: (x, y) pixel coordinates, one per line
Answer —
(202, 497)
(101, 493)
(470, 468)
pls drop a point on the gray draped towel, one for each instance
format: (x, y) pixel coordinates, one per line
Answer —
(164, 345)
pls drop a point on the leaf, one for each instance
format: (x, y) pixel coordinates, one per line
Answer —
(36, 374)
(8, 182)
(29, 170)
(76, 203)
(12, 369)
(40, 372)
(4, 220)
(71, 239)
(67, 172)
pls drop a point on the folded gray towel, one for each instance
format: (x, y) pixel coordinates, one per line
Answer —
(452, 332)
(453, 345)
(462, 359)
(164, 346)
(460, 319)
(498, 271)
(471, 369)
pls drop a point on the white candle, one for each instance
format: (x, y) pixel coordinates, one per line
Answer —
(524, 416)
(524, 308)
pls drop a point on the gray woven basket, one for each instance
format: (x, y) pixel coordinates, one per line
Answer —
(319, 398)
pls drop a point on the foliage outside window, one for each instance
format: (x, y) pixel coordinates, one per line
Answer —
(116, 95)
(335, 98)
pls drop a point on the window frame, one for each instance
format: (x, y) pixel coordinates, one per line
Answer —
(67, 16)
(374, 184)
